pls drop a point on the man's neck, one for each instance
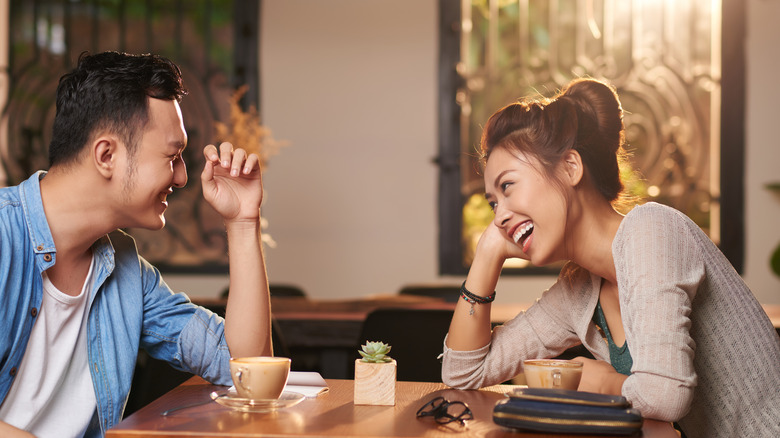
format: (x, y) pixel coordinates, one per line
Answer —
(75, 211)
(77, 215)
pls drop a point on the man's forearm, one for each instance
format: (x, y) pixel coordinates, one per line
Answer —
(248, 313)
(6, 430)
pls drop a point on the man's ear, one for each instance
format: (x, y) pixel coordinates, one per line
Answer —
(573, 167)
(105, 154)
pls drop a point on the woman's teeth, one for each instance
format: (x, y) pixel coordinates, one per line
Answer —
(523, 231)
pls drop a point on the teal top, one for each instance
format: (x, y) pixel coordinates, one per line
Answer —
(619, 357)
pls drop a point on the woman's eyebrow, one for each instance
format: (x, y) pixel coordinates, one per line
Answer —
(499, 176)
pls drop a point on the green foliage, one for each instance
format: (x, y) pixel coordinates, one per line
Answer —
(375, 352)
(774, 262)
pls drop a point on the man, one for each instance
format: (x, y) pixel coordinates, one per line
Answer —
(76, 299)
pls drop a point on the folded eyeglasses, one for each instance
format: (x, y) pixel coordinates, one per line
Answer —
(445, 411)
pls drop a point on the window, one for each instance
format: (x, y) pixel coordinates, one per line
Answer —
(678, 70)
(214, 42)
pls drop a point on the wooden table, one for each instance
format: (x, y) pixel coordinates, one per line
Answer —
(332, 414)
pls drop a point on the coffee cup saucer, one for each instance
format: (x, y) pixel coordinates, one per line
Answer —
(231, 399)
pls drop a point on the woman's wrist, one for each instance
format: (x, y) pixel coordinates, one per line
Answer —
(473, 298)
(479, 286)
(488, 264)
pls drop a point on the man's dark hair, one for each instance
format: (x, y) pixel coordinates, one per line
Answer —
(108, 91)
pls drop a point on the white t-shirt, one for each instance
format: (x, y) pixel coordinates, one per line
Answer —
(52, 395)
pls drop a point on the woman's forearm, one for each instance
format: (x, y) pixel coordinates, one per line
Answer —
(471, 324)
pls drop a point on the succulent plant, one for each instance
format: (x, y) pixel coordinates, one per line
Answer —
(375, 352)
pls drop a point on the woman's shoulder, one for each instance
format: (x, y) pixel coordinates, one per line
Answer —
(652, 226)
(654, 210)
(656, 218)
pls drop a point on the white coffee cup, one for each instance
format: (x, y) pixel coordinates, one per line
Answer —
(552, 373)
(259, 377)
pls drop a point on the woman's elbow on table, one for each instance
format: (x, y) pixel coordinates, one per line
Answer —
(458, 383)
(465, 369)
(461, 376)
(669, 401)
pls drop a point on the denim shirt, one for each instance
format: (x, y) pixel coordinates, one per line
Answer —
(130, 307)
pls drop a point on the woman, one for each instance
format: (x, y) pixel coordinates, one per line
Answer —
(686, 341)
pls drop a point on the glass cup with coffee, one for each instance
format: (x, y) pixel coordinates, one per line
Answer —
(259, 377)
(552, 373)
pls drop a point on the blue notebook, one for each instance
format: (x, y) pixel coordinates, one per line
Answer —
(567, 411)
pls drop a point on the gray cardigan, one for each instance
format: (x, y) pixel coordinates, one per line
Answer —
(705, 353)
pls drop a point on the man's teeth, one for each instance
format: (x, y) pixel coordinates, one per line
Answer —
(522, 231)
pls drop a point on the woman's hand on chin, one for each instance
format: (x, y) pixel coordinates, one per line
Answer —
(494, 241)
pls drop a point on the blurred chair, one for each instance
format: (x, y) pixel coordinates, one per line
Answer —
(416, 337)
(276, 290)
(449, 293)
(285, 290)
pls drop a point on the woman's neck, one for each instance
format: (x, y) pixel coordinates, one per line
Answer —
(591, 238)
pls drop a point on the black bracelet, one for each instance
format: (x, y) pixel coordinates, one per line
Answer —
(475, 299)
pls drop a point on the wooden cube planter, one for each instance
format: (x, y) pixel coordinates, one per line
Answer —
(375, 383)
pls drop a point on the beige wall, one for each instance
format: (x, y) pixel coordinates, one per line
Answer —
(762, 151)
(352, 201)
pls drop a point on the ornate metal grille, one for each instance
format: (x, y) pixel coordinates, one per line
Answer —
(201, 36)
(663, 56)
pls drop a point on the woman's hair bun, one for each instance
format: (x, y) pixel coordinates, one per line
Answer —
(599, 102)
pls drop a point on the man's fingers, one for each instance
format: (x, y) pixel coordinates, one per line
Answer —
(211, 154)
(238, 160)
(226, 154)
(252, 163)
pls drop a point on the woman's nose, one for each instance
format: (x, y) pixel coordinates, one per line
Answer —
(502, 215)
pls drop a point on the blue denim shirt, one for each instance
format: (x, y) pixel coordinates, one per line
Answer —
(130, 307)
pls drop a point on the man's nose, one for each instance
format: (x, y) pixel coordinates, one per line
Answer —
(179, 173)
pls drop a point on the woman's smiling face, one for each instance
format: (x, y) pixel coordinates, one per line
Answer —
(530, 209)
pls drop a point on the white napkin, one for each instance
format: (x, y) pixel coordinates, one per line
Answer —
(309, 383)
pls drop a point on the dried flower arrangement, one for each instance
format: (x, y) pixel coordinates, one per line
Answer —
(245, 130)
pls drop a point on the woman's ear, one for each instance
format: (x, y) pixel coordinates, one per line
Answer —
(573, 167)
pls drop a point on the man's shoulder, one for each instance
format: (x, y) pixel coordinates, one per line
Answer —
(26, 191)
(9, 195)
(13, 220)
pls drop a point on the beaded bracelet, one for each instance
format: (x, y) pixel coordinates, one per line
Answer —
(475, 299)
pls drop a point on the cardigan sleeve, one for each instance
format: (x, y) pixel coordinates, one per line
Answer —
(659, 270)
(544, 330)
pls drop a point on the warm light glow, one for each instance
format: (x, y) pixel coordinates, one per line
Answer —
(653, 191)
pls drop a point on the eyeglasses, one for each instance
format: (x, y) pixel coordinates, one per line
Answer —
(445, 411)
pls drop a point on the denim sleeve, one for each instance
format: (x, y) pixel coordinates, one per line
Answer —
(187, 336)
(203, 346)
